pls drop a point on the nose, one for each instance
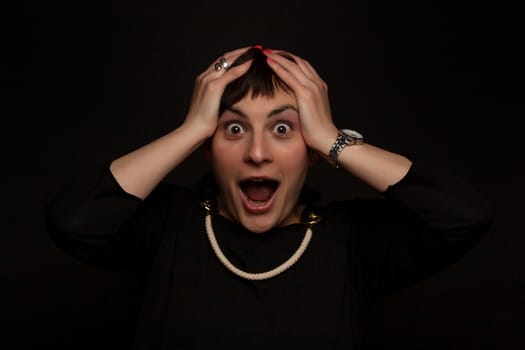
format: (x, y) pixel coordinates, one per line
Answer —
(258, 149)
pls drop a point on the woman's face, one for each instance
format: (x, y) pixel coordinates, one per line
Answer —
(260, 161)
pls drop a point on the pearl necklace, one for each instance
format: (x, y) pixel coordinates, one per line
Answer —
(312, 219)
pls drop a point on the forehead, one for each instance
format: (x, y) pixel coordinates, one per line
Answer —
(266, 103)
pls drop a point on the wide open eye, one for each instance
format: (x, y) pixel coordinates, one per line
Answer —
(234, 129)
(281, 128)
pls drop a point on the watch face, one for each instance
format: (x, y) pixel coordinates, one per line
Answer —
(353, 134)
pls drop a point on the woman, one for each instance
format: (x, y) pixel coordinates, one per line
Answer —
(250, 261)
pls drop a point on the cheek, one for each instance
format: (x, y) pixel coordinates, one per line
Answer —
(223, 159)
(296, 159)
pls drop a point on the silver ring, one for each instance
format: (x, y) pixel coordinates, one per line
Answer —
(223, 62)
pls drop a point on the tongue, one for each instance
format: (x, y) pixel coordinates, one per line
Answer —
(258, 191)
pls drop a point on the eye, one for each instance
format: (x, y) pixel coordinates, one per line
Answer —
(234, 129)
(282, 128)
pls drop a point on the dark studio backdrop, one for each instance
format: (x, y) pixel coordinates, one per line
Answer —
(87, 81)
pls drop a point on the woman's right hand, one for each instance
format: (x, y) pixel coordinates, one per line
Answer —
(209, 86)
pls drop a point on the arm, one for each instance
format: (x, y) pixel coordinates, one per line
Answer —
(427, 218)
(141, 170)
(138, 172)
(94, 210)
(376, 167)
(427, 221)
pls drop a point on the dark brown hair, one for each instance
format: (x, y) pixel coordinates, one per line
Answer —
(260, 79)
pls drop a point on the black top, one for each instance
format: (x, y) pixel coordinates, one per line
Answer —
(362, 249)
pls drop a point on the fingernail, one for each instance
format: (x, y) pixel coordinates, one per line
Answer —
(260, 47)
(269, 60)
(267, 51)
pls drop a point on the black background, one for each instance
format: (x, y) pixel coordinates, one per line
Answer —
(84, 82)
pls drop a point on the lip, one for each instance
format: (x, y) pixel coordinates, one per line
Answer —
(258, 208)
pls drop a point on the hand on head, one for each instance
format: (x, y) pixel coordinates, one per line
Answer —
(311, 93)
(208, 89)
(297, 74)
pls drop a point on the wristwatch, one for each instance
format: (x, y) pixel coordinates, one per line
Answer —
(346, 137)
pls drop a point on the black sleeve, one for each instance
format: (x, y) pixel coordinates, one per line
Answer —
(96, 221)
(424, 223)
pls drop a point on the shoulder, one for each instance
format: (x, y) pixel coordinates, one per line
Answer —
(171, 197)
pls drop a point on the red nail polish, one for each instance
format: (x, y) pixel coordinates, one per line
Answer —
(260, 47)
(267, 51)
(269, 60)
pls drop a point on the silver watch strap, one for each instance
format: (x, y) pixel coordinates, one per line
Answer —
(343, 139)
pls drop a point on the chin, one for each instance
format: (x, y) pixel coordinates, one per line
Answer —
(257, 225)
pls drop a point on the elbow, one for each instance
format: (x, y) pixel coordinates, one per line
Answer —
(59, 226)
(477, 218)
(482, 213)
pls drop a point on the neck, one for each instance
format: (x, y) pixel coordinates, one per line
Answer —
(293, 217)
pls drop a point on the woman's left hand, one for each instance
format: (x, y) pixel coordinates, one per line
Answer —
(311, 92)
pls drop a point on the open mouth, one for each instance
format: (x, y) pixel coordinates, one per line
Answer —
(258, 193)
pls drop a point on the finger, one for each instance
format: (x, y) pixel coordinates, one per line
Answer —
(217, 82)
(285, 74)
(299, 71)
(230, 57)
(311, 69)
(237, 52)
(289, 69)
(305, 66)
(235, 72)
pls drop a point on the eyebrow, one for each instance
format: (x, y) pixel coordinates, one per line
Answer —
(273, 112)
